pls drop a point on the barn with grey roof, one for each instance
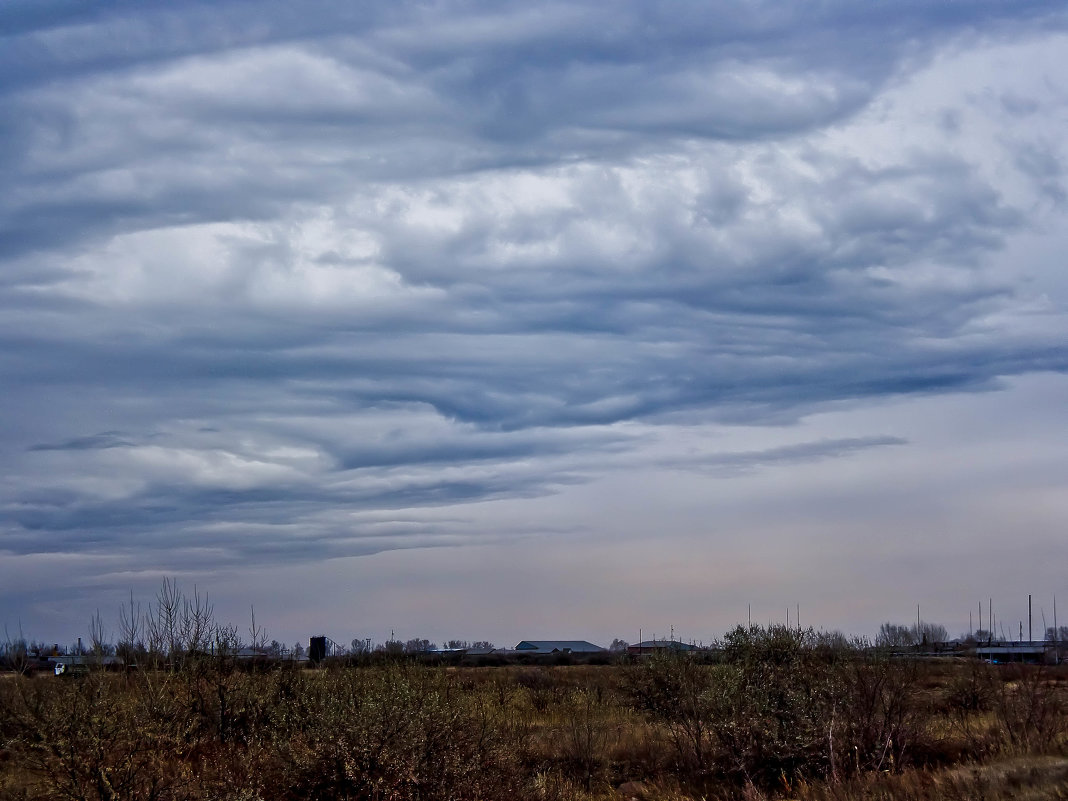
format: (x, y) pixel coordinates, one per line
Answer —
(558, 647)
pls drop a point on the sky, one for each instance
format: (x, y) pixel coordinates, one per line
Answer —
(502, 321)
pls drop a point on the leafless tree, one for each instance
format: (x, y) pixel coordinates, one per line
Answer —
(163, 621)
(418, 645)
(98, 638)
(196, 623)
(14, 652)
(131, 631)
(226, 640)
(257, 634)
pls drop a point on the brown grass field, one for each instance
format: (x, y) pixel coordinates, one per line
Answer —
(772, 720)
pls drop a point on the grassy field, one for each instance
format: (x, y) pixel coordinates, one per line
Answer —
(775, 718)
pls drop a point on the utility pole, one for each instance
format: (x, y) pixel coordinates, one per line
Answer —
(1029, 617)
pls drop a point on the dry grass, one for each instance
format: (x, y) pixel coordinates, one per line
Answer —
(569, 733)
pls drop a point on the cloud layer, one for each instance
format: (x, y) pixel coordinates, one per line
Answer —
(280, 285)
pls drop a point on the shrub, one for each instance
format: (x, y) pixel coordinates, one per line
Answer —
(678, 692)
(399, 732)
(1030, 708)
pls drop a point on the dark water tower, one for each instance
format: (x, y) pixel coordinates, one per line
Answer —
(317, 649)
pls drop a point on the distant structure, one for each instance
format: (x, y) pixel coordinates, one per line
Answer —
(538, 647)
(77, 664)
(1033, 651)
(660, 646)
(472, 650)
(320, 647)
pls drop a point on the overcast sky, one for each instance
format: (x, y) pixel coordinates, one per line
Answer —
(501, 320)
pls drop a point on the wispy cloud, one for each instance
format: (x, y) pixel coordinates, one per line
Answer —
(730, 463)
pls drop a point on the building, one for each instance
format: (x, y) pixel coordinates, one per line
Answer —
(539, 647)
(660, 646)
(1034, 651)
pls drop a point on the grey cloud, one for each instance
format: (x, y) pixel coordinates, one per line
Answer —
(1045, 165)
(260, 524)
(472, 96)
(105, 439)
(472, 242)
(731, 463)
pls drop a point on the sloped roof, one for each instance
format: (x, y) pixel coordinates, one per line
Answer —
(676, 645)
(558, 646)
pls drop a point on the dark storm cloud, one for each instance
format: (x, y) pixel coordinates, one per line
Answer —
(315, 263)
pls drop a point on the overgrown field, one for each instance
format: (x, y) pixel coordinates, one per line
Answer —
(775, 718)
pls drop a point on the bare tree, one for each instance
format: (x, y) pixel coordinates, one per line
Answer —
(196, 624)
(931, 633)
(257, 634)
(162, 622)
(14, 652)
(131, 632)
(177, 627)
(99, 647)
(892, 635)
(418, 645)
(227, 640)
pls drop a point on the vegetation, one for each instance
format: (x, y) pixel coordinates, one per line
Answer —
(781, 715)
(773, 713)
